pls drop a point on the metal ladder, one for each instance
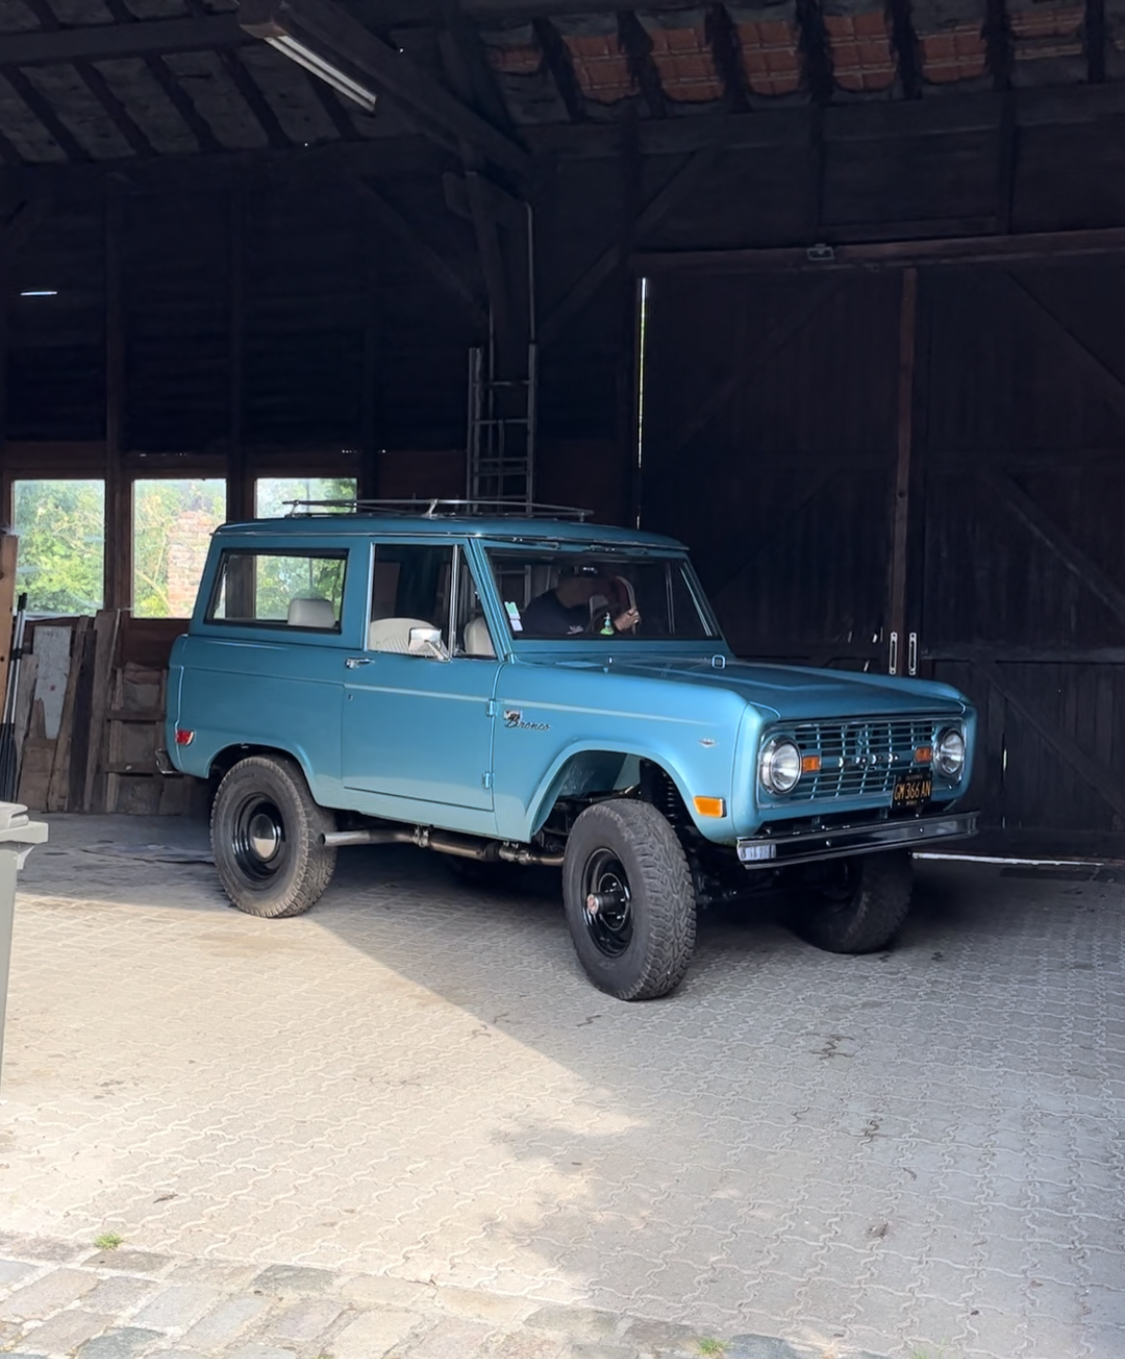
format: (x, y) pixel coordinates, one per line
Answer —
(501, 425)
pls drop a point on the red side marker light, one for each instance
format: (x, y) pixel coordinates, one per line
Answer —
(184, 738)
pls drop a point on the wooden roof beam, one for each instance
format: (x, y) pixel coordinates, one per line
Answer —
(466, 65)
(816, 55)
(178, 97)
(41, 109)
(344, 44)
(905, 42)
(637, 46)
(1096, 37)
(106, 42)
(557, 57)
(998, 44)
(255, 100)
(726, 52)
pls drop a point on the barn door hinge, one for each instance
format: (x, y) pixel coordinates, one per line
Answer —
(912, 654)
(892, 662)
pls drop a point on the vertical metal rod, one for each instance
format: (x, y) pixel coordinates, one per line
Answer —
(907, 346)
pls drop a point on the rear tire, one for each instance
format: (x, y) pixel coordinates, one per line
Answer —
(861, 904)
(267, 838)
(630, 900)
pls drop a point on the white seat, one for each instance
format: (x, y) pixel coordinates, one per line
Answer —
(392, 634)
(477, 640)
(311, 613)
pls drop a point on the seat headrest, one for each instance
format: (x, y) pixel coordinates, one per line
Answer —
(477, 640)
(392, 634)
(311, 613)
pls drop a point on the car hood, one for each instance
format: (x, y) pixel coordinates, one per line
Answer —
(791, 692)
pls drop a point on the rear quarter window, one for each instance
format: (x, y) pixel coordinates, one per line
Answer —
(283, 589)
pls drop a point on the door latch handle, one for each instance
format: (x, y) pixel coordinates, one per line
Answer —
(354, 662)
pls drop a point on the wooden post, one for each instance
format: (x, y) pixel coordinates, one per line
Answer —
(907, 337)
(240, 487)
(8, 550)
(118, 487)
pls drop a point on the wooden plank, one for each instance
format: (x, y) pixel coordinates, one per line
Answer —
(81, 734)
(900, 518)
(52, 647)
(103, 42)
(1096, 774)
(9, 550)
(59, 788)
(25, 697)
(35, 772)
(1045, 531)
(106, 628)
(118, 489)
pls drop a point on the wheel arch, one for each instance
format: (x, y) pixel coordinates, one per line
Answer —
(598, 767)
(224, 760)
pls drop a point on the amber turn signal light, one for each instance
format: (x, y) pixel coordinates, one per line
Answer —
(710, 806)
(924, 755)
(810, 764)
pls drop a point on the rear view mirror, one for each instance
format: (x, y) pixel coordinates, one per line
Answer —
(426, 642)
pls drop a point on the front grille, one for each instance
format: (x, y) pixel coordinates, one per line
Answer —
(859, 759)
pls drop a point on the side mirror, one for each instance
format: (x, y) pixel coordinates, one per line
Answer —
(426, 642)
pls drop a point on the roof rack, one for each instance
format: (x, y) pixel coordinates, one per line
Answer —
(437, 509)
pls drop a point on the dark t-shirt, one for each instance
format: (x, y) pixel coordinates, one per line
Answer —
(546, 616)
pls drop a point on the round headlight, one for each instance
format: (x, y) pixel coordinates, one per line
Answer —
(780, 765)
(949, 753)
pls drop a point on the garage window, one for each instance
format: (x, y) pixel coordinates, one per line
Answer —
(173, 520)
(61, 530)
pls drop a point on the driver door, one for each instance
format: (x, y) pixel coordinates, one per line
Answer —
(418, 714)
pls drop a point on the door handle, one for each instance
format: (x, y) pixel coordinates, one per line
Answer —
(354, 662)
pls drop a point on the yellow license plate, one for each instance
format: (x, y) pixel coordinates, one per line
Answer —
(913, 790)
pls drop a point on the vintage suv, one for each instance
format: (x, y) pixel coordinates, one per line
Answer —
(539, 690)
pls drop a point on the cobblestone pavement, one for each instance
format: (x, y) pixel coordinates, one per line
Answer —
(405, 1124)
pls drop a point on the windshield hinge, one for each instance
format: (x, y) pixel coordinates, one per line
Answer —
(491, 711)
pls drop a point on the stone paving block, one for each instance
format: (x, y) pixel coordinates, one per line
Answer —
(223, 1275)
(386, 1291)
(257, 1351)
(225, 1322)
(67, 1330)
(451, 1338)
(128, 1261)
(761, 1347)
(124, 1342)
(45, 1248)
(497, 1308)
(54, 1291)
(14, 1271)
(662, 1335)
(304, 1320)
(119, 1293)
(520, 1345)
(294, 1279)
(593, 1349)
(176, 1307)
(375, 1334)
(576, 1323)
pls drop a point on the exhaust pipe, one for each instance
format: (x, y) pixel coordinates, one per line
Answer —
(445, 842)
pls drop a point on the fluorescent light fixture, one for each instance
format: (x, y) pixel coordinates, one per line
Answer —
(324, 70)
(40, 292)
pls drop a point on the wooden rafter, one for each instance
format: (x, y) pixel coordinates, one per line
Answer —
(105, 42)
(255, 100)
(333, 107)
(816, 55)
(557, 57)
(1096, 37)
(997, 33)
(637, 46)
(430, 106)
(467, 67)
(41, 109)
(726, 52)
(905, 41)
(178, 97)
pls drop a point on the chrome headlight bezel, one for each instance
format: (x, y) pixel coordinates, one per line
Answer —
(949, 753)
(768, 766)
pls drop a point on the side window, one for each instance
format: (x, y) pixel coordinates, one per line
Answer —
(410, 588)
(472, 635)
(280, 589)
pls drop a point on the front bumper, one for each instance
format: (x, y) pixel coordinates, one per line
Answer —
(839, 842)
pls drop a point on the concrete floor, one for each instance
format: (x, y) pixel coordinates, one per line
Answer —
(920, 1152)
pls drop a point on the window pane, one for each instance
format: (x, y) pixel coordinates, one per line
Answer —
(172, 526)
(273, 494)
(300, 589)
(411, 584)
(61, 529)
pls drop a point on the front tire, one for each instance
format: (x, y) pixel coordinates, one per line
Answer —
(629, 899)
(267, 838)
(859, 905)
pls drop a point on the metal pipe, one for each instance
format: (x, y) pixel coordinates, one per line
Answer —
(336, 839)
(445, 842)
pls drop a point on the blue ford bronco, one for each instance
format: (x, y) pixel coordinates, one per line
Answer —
(540, 690)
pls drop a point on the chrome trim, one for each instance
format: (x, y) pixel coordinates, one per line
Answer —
(838, 842)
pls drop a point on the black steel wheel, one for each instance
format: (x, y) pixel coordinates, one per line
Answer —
(855, 905)
(267, 838)
(629, 899)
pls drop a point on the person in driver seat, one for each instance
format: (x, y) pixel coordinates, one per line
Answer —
(565, 611)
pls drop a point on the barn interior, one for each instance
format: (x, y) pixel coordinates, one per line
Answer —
(831, 290)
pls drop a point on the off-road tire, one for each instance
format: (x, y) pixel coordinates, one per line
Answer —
(865, 912)
(290, 880)
(654, 957)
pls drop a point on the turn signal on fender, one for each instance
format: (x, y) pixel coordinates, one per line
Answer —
(710, 806)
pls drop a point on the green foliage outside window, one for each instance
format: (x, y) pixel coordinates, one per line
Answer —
(172, 525)
(61, 529)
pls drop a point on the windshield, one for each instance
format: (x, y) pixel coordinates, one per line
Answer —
(626, 596)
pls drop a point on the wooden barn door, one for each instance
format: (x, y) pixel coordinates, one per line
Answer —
(1021, 596)
(769, 445)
